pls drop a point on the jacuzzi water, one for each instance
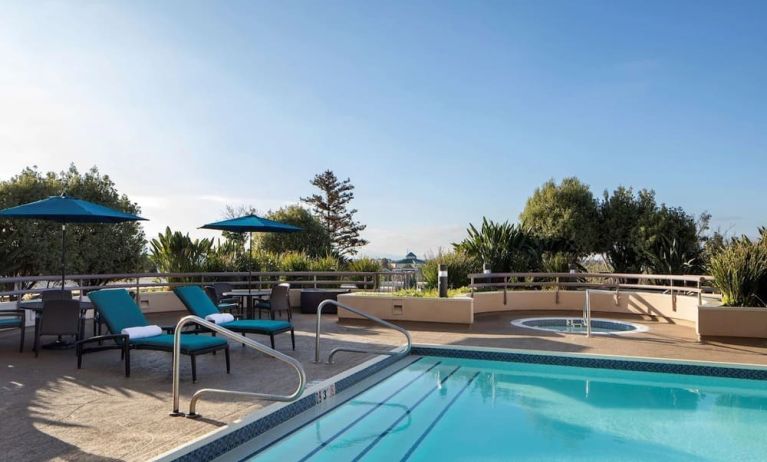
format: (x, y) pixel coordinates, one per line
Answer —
(450, 409)
(578, 325)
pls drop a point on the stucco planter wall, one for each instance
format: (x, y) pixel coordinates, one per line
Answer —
(160, 302)
(723, 321)
(679, 308)
(457, 310)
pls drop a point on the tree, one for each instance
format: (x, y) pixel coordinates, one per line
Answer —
(313, 240)
(29, 247)
(565, 215)
(331, 207)
(669, 240)
(619, 215)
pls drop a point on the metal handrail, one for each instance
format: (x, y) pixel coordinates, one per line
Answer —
(240, 339)
(325, 303)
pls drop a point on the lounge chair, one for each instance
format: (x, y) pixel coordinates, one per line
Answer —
(10, 319)
(119, 311)
(199, 304)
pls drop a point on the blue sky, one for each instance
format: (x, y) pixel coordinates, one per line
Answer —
(440, 112)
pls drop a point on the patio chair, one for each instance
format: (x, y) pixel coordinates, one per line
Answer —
(14, 319)
(200, 305)
(58, 317)
(279, 302)
(119, 311)
(216, 294)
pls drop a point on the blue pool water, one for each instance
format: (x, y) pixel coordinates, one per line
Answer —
(449, 409)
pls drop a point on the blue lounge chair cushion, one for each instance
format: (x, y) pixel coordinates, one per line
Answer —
(189, 343)
(9, 322)
(257, 326)
(117, 309)
(196, 300)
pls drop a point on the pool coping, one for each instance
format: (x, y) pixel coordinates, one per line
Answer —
(228, 437)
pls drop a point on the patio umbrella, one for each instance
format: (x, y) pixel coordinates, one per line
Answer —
(252, 224)
(65, 210)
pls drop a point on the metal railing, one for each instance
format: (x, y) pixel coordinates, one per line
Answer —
(240, 339)
(17, 287)
(666, 283)
(404, 351)
(587, 312)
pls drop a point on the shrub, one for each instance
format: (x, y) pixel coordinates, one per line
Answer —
(459, 266)
(739, 271)
(326, 263)
(364, 265)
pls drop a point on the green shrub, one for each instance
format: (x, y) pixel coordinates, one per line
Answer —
(459, 266)
(363, 265)
(326, 263)
(739, 271)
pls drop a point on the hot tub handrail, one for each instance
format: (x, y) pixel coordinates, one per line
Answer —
(294, 363)
(398, 351)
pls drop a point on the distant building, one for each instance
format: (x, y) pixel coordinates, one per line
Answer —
(411, 261)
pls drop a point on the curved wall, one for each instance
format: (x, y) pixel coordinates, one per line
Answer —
(678, 308)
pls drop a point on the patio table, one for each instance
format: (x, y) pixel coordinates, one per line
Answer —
(248, 295)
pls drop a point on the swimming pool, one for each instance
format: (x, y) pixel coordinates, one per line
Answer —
(457, 409)
(572, 325)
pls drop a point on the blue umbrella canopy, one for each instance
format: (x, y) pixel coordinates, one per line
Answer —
(252, 224)
(64, 209)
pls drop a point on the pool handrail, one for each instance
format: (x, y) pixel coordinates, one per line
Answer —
(240, 339)
(398, 351)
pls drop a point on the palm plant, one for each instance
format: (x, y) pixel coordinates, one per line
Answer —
(740, 271)
(174, 252)
(504, 247)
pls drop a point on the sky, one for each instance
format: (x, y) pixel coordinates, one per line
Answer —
(440, 112)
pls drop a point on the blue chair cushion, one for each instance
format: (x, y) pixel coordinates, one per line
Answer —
(264, 304)
(9, 322)
(118, 309)
(196, 300)
(189, 343)
(257, 326)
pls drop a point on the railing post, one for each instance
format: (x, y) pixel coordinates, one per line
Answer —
(556, 298)
(315, 281)
(138, 292)
(700, 291)
(673, 297)
(505, 286)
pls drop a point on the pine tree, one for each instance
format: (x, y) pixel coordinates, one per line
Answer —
(331, 207)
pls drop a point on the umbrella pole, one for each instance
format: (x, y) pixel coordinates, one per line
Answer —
(63, 255)
(251, 305)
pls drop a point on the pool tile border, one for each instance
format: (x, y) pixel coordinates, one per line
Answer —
(637, 365)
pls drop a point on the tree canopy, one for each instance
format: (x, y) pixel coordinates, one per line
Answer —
(331, 206)
(564, 214)
(313, 240)
(31, 247)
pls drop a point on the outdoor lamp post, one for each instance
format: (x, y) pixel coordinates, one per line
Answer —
(442, 281)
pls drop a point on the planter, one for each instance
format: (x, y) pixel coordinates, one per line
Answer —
(722, 321)
(459, 310)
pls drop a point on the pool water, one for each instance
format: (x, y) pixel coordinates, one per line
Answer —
(451, 409)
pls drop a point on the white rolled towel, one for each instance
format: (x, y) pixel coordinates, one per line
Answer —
(142, 331)
(219, 318)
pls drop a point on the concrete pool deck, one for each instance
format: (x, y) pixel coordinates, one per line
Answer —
(53, 411)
